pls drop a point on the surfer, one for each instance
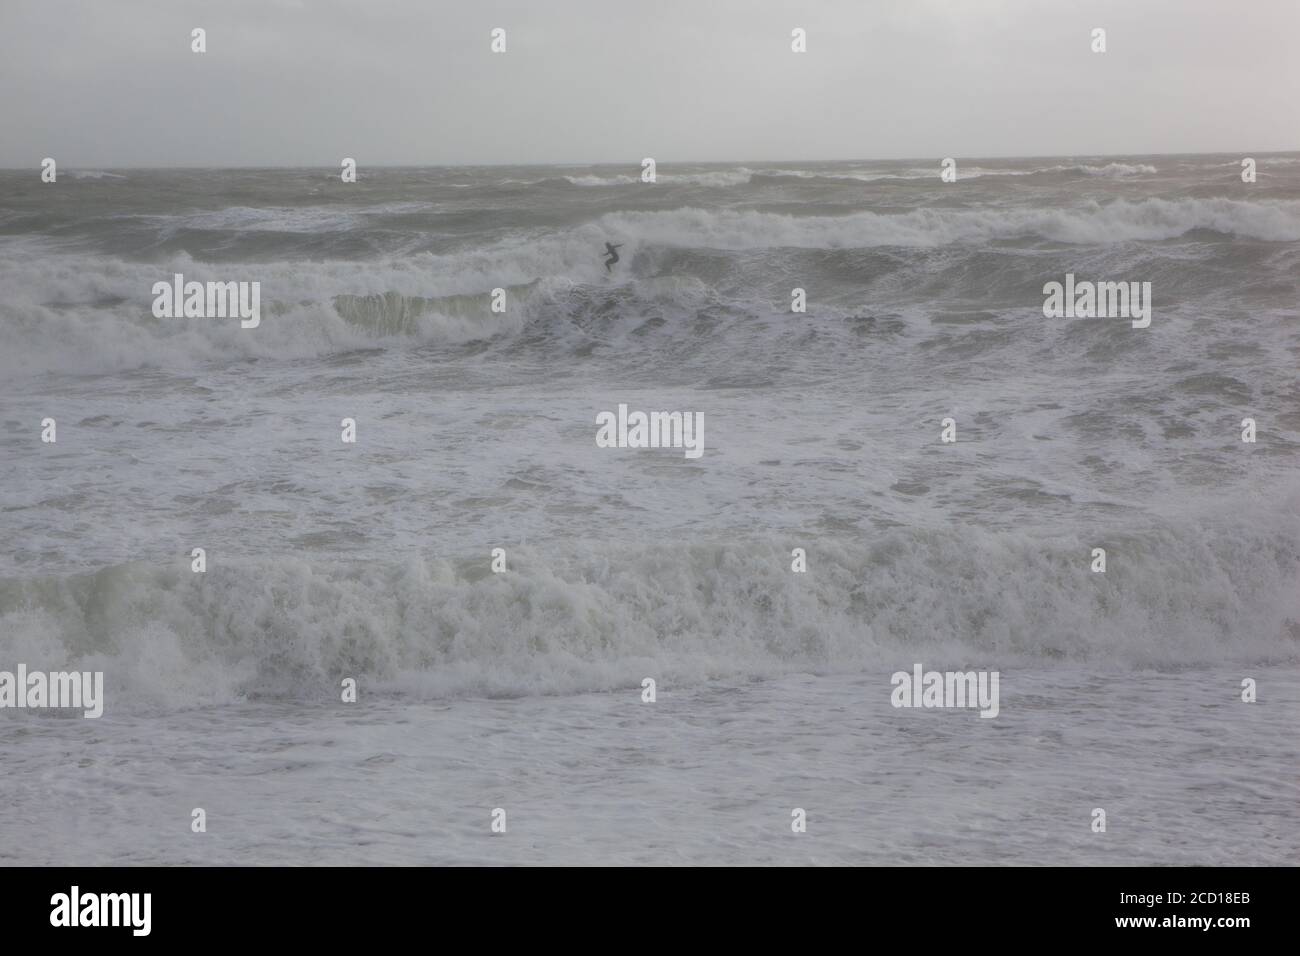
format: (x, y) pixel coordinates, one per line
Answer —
(613, 256)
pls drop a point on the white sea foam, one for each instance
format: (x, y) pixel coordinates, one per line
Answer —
(722, 177)
(705, 776)
(82, 313)
(592, 616)
(1089, 223)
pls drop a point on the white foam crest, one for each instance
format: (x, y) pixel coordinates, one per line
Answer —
(720, 177)
(1090, 223)
(1109, 171)
(591, 180)
(77, 313)
(595, 616)
(1112, 170)
(86, 314)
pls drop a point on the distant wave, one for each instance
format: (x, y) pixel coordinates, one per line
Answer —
(1116, 221)
(1110, 170)
(743, 175)
(591, 180)
(291, 219)
(722, 177)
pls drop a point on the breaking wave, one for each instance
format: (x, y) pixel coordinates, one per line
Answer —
(596, 616)
(87, 313)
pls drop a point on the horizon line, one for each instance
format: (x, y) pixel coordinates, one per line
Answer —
(658, 162)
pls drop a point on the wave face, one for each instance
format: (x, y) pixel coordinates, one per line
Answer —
(476, 424)
(90, 312)
(599, 617)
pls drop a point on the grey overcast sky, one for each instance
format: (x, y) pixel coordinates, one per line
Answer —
(102, 83)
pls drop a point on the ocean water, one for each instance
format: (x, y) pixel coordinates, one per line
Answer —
(476, 430)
